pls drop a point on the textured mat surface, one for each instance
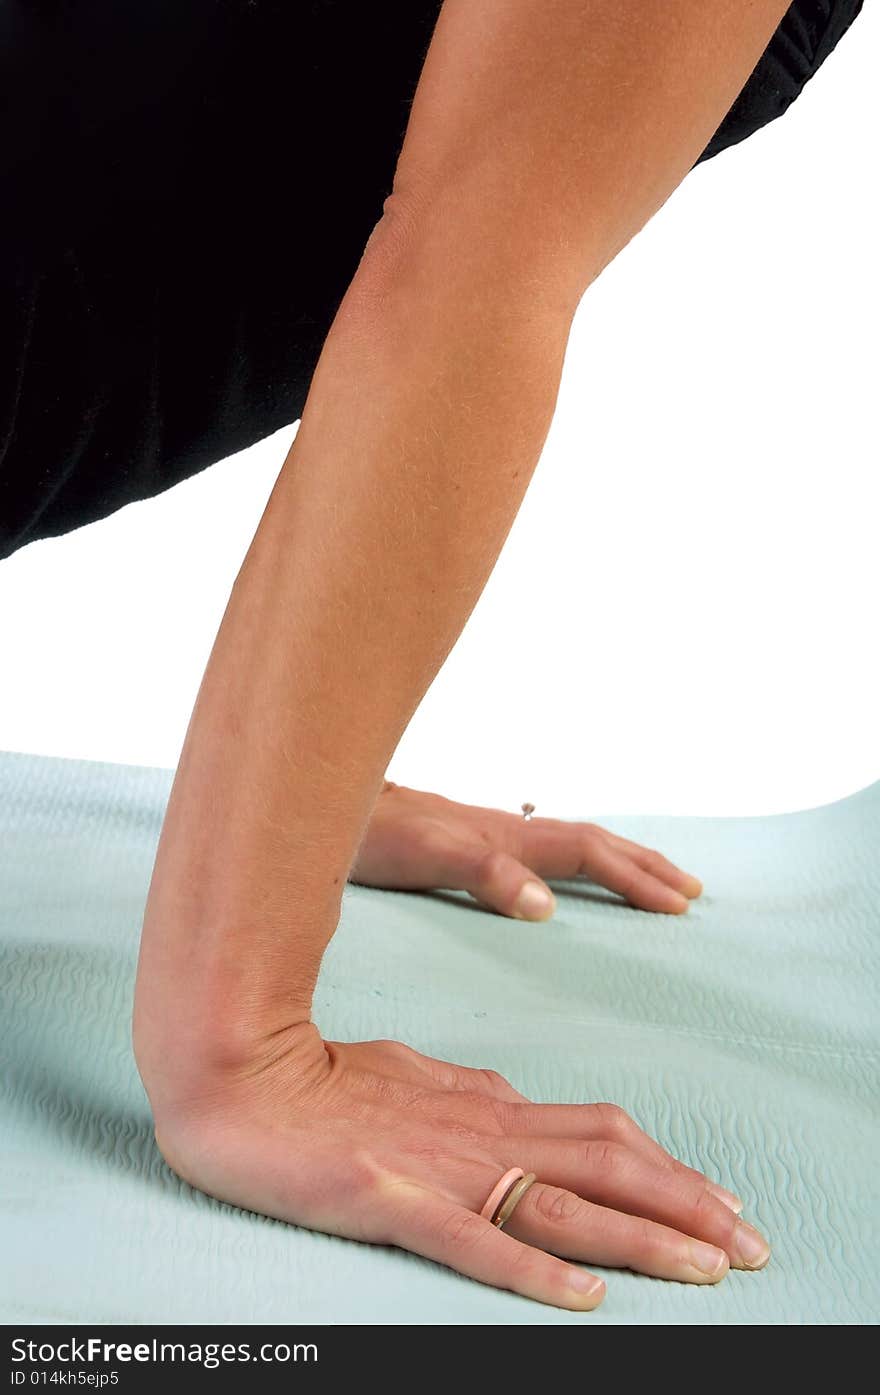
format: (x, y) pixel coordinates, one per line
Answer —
(745, 1035)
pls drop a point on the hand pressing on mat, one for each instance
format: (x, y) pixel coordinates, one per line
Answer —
(379, 1143)
(415, 840)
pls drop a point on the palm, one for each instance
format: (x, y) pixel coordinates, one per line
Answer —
(419, 841)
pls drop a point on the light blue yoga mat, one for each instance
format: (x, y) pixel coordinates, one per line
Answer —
(744, 1035)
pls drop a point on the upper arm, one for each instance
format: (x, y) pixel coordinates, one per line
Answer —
(544, 133)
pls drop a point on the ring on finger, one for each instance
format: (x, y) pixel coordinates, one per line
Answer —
(504, 1197)
(512, 1200)
(499, 1193)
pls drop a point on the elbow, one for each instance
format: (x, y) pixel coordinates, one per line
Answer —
(449, 250)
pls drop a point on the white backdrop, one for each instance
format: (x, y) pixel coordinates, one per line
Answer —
(684, 619)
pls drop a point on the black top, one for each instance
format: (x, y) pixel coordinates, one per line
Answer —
(187, 187)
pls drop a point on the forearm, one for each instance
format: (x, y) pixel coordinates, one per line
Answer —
(540, 140)
(415, 448)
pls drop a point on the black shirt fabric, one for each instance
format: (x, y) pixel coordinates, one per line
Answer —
(187, 189)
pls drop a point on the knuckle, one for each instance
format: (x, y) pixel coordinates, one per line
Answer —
(370, 1202)
(655, 862)
(615, 1123)
(606, 1159)
(524, 1269)
(461, 1231)
(398, 1050)
(384, 1220)
(647, 1240)
(558, 1207)
(445, 1073)
(493, 1079)
(489, 865)
(365, 1174)
(630, 883)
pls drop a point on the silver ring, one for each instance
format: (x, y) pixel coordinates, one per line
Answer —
(527, 811)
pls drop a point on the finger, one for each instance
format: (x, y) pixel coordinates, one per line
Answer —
(659, 866)
(591, 1122)
(616, 870)
(612, 1175)
(498, 880)
(565, 850)
(466, 1242)
(566, 1225)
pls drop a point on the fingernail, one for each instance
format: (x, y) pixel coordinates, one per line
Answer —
(585, 1285)
(534, 902)
(729, 1198)
(708, 1259)
(751, 1248)
(696, 885)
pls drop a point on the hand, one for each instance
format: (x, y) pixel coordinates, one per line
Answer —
(378, 1143)
(416, 840)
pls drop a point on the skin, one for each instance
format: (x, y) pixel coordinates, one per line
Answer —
(427, 414)
(416, 840)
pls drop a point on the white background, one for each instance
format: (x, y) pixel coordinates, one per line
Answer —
(684, 619)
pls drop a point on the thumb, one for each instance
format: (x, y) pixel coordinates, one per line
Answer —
(503, 884)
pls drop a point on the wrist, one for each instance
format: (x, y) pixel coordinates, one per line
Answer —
(200, 1027)
(212, 1062)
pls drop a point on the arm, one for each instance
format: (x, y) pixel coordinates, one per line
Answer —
(541, 138)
